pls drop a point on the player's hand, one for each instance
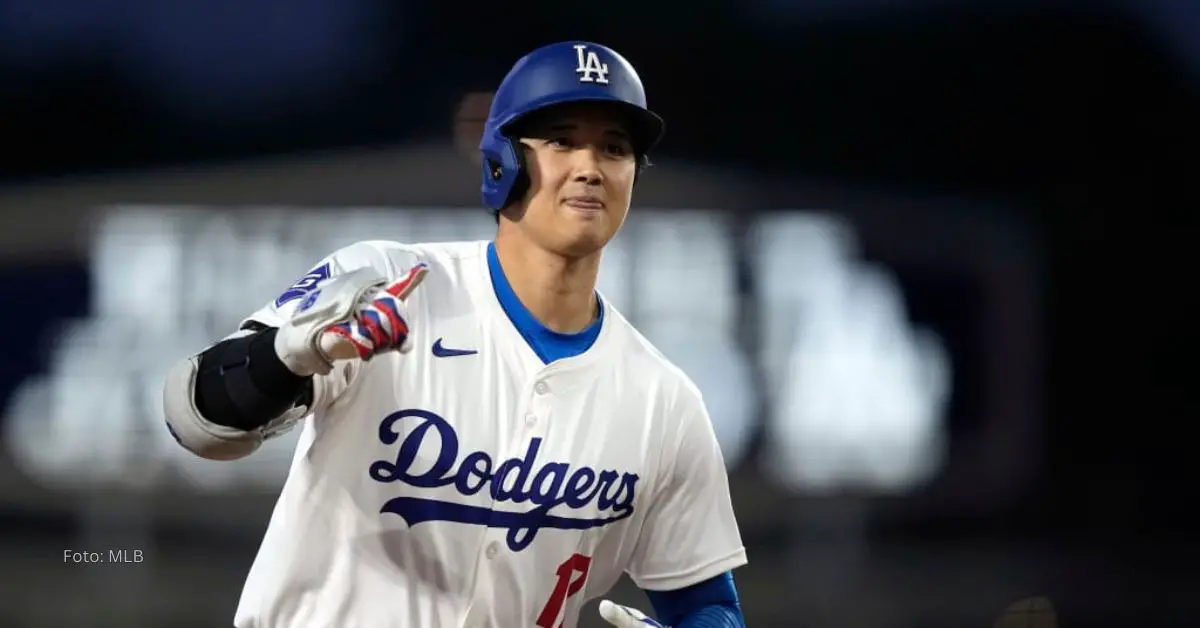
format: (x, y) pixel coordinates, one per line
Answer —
(358, 315)
(625, 617)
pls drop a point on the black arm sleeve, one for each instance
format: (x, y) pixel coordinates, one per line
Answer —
(242, 383)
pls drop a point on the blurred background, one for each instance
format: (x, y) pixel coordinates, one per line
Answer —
(925, 260)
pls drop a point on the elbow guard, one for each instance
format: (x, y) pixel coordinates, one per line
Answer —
(222, 404)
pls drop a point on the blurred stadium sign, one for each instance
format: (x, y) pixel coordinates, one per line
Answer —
(892, 353)
(859, 393)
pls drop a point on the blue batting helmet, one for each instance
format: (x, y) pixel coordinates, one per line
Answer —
(566, 72)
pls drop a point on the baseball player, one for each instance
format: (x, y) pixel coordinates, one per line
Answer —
(485, 441)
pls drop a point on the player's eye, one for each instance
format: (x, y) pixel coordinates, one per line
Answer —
(559, 142)
(617, 150)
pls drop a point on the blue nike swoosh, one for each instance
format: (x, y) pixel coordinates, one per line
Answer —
(441, 352)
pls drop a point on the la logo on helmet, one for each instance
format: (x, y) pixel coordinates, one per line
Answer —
(590, 69)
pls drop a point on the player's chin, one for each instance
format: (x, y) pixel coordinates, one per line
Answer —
(580, 240)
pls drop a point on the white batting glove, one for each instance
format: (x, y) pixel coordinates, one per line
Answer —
(355, 315)
(625, 617)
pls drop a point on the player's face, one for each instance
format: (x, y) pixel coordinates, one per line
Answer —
(581, 167)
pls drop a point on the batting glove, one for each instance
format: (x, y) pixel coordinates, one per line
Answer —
(355, 315)
(625, 617)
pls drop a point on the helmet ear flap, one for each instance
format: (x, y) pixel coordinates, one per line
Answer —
(504, 176)
(520, 183)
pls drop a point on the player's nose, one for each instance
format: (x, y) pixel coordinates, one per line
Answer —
(585, 167)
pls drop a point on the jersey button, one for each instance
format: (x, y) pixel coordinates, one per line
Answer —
(492, 550)
(541, 388)
(530, 419)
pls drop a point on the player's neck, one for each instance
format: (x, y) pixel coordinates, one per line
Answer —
(559, 292)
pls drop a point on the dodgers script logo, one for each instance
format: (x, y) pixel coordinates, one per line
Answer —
(516, 480)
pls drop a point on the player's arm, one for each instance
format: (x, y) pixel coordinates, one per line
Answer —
(289, 358)
(709, 604)
(689, 543)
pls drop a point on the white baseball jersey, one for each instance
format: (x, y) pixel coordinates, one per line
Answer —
(468, 484)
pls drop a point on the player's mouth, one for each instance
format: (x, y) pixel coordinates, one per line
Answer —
(585, 203)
